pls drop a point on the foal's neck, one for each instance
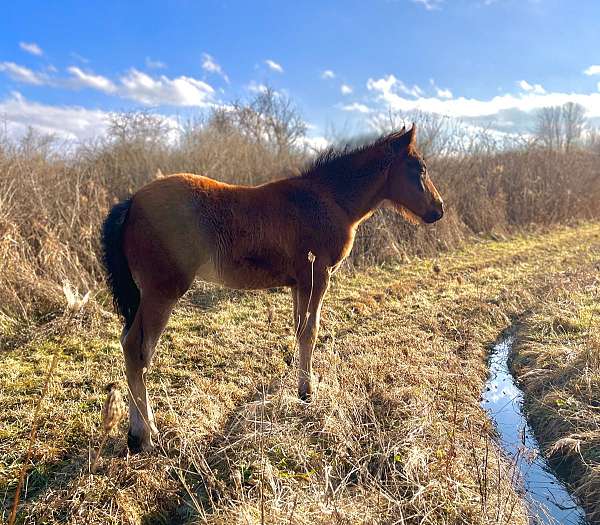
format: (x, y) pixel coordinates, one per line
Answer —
(358, 188)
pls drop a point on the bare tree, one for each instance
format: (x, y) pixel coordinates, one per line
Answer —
(270, 119)
(137, 126)
(439, 135)
(573, 116)
(592, 141)
(548, 127)
(559, 127)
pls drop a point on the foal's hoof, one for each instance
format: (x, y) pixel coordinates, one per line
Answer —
(137, 444)
(305, 394)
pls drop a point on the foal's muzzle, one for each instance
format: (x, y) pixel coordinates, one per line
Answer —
(434, 215)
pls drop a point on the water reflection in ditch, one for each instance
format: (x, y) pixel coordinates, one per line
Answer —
(549, 501)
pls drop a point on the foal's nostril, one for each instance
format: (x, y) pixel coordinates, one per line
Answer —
(434, 215)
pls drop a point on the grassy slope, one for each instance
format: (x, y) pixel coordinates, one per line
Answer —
(395, 432)
(558, 363)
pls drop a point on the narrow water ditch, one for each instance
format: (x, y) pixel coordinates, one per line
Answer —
(548, 500)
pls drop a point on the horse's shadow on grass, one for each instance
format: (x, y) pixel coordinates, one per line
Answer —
(208, 475)
(207, 297)
(205, 476)
(53, 476)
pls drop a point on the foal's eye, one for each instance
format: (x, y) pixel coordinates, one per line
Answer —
(422, 175)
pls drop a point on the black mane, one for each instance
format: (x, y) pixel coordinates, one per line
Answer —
(337, 159)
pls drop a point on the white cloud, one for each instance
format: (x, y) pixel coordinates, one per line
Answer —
(135, 85)
(328, 73)
(72, 123)
(440, 92)
(69, 122)
(274, 65)
(23, 74)
(316, 143)
(32, 48)
(592, 70)
(443, 93)
(82, 79)
(514, 109)
(414, 91)
(180, 91)
(256, 88)
(383, 85)
(209, 64)
(155, 64)
(389, 82)
(430, 5)
(531, 88)
(356, 107)
(346, 89)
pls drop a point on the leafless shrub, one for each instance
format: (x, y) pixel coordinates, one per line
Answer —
(271, 120)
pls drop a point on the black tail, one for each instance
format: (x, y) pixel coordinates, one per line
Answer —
(126, 295)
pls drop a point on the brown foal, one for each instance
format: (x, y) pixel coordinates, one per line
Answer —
(292, 232)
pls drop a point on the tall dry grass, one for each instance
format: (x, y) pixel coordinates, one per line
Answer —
(53, 197)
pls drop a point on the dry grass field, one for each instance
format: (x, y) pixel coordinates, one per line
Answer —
(395, 433)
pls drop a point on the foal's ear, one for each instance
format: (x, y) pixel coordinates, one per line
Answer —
(413, 135)
(403, 139)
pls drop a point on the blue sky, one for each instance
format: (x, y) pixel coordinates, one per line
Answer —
(65, 65)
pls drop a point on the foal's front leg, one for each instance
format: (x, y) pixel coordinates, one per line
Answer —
(307, 313)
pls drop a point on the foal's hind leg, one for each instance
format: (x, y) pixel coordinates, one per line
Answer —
(139, 344)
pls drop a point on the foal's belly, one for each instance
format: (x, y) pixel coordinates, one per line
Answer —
(207, 272)
(245, 273)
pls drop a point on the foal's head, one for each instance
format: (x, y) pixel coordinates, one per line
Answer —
(409, 188)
